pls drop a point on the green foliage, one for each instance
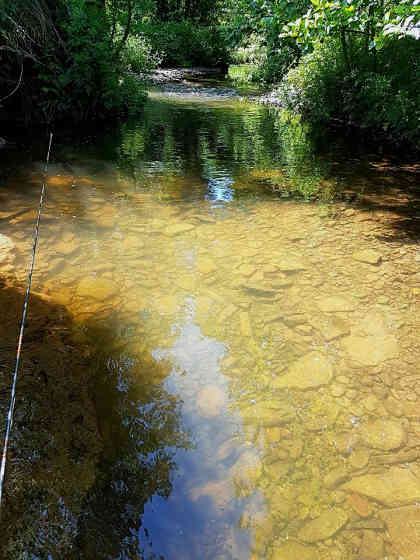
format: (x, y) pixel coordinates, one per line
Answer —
(138, 55)
(254, 26)
(185, 43)
(251, 49)
(359, 65)
(241, 73)
(371, 20)
(277, 62)
(72, 58)
(322, 89)
(201, 12)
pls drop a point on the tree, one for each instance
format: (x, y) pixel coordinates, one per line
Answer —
(69, 54)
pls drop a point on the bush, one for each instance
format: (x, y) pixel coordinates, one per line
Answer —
(76, 72)
(277, 62)
(381, 94)
(132, 96)
(250, 50)
(185, 43)
(138, 55)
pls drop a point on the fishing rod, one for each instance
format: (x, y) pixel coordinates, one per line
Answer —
(21, 332)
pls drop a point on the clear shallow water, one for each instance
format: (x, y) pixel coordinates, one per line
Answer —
(253, 354)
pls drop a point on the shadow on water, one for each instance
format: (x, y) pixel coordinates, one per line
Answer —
(91, 442)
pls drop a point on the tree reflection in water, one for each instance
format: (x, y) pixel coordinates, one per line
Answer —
(91, 469)
(141, 429)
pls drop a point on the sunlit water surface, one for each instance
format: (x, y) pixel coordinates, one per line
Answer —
(259, 394)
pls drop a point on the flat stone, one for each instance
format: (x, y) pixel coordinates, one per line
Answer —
(396, 487)
(280, 281)
(369, 350)
(294, 551)
(269, 413)
(367, 256)
(292, 320)
(359, 458)
(359, 504)
(335, 328)
(337, 390)
(259, 289)
(372, 547)
(246, 269)
(211, 400)
(324, 526)
(176, 229)
(290, 263)
(333, 304)
(383, 433)
(206, 265)
(97, 288)
(308, 372)
(403, 526)
(403, 456)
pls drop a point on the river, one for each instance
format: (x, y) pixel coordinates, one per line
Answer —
(222, 357)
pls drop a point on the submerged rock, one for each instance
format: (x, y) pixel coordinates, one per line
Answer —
(335, 328)
(269, 413)
(176, 229)
(261, 290)
(206, 265)
(294, 551)
(97, 288)
(359, 458)
(383, 433)
(309, 372)
(372, 546)
(403, 526)
(396, 487)
(324, 526)
(369, 350)
(367, 256)
(360, 505)
(290, 264)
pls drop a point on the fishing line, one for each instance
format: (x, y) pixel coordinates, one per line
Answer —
(22, 330)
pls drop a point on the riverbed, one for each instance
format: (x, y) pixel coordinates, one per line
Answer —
(237, 313)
